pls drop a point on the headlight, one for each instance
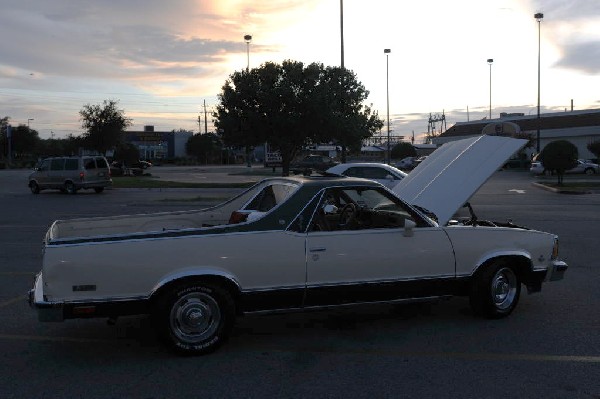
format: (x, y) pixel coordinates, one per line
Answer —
(555, 249)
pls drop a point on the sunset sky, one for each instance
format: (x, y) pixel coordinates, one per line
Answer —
(163, 59)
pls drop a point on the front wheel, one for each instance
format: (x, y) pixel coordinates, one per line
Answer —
(495, 291)
(33, 186)
(98, 190)
(195, 318)
(589, 171)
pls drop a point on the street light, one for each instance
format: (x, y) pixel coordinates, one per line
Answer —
(248, 39)
(342, 33)
(29, 120)
(387, 52)
(538, 17)
(490, 61)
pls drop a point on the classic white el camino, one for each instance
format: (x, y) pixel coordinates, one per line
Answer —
(298, 243)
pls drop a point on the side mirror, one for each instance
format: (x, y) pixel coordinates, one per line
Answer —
(409, 225)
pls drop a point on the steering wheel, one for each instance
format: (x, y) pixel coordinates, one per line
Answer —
(347, 215)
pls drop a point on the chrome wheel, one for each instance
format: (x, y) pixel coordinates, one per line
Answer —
(195, 317)
(504, 288)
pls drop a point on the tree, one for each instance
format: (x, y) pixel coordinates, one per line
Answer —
(403, 150)
(126, 153)
(205, 147)
(104, 125)
(559, 155)
(594, 148)
(291, 106)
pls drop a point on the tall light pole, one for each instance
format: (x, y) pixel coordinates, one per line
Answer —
(490, 61)
(248, 39)
(342, 33)
(29, 120)
(538, 17)
(387, 52)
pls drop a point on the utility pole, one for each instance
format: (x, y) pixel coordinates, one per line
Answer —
(205, 119)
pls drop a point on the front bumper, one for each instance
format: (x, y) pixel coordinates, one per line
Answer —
(47, 311)
(556, 270)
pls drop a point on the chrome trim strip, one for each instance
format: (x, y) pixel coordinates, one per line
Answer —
(344, 305)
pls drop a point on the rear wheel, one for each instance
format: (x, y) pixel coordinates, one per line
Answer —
(195, 318)
(495, 291)
(98, 190)
(589, 171)
(33, 186)
(70, 187)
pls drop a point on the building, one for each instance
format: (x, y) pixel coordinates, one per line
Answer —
(578, 127)
(159, 145)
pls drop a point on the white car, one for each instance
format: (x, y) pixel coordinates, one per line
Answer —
(379, 172)
(583, 166)
(406, 163)
(299, 243)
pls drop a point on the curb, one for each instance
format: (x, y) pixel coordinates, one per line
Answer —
(559, 190)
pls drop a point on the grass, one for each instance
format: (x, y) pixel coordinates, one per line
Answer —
(151, 182)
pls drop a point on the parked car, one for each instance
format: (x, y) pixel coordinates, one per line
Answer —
(122, 169)
(379, 172)
(583, 166)
(299, 243)
(70, 174)
(312, 163)
(141, 164)
(406, 163)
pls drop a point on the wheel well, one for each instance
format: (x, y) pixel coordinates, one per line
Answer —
(520, 264)
(220, 281)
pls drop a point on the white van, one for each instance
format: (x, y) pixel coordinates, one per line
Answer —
(70, 174)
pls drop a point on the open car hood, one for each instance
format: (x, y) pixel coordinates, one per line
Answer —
(447, 178)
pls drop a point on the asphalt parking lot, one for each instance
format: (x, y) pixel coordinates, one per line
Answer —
(549, 347)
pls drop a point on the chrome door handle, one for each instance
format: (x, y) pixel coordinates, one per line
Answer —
(318, 249)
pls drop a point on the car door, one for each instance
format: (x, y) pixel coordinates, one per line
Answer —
(381, 261)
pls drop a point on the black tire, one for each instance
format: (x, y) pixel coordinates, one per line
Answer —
(98, 190)
(33, 186)
(495, 290)
(589, 171)
(195, 318)
(70, 187)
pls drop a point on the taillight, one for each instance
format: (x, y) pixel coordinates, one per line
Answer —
(81, 176)
(555, 249)
(237, 217)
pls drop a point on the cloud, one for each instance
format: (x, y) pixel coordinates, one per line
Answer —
(583, 57)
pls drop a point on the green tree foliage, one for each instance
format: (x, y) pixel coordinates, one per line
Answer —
(24, 142)
(104, 125)
(594, 148)
(403, 150)
(205, 147)
(559, 155)
(292, 105)
(126, 153)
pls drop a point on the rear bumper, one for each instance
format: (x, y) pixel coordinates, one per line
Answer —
(46, 311)
(60, 311)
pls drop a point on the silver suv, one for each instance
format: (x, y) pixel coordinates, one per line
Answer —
(69, 174)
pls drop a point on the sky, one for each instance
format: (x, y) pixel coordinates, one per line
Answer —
(166, 61)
